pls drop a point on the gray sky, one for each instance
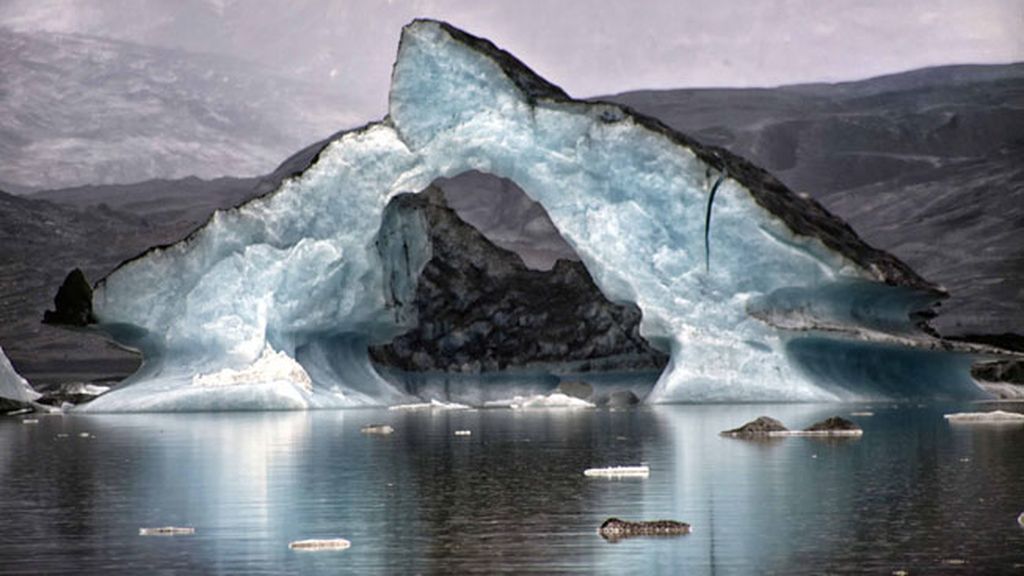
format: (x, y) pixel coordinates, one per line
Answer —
(588, 48)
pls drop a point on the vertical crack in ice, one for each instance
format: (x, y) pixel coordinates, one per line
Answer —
(707, 222)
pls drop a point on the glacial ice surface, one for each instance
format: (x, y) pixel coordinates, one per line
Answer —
(768, 317)
(12, 385)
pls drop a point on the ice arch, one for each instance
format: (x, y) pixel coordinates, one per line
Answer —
(272, 304)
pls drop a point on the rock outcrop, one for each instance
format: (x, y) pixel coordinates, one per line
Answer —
(73, 302)
(762, 426)
(475, 307)
(614, 529)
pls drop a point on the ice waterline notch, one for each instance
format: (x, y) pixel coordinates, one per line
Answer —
(296, 271)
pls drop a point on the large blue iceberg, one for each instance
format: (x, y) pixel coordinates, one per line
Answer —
(760, 295)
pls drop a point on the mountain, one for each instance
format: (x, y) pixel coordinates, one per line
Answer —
(78, 109)
(928, 165)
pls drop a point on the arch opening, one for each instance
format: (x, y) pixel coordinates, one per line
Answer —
(496, 303)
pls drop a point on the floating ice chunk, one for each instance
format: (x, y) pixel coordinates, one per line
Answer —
(271, 366)
(862, 414)
(553, 400)
(167, 531)
(1020, 519)
(12, 385)
(320, 544)
(619, 472)
(30, 421)
(432, 405)
(19, 412)
(463, 432)
(994, 417)
(378, 429)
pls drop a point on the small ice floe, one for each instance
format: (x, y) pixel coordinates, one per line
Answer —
(994, 417)
(553, 400)
(463, 432)
(167, 531)
(862, 414)
(29, 421)
(1020, 519)
(432, 405)
(320, 544)
(18, 412)
(379, 429)
(84, 435)
(619, 472)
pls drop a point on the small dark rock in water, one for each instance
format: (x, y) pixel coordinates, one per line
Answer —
(614, 529)
(763, 426)
(622, 399)
(576, 389)
(833, 425)
(73, 303)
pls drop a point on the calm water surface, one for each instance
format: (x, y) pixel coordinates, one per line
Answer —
(915, 493)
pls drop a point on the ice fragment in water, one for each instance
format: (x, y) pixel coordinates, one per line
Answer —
(619, 472)
(167, 531)
(320, 544)
(993, 417)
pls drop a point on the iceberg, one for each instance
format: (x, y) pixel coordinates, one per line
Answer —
(12, 385)
(757, 293)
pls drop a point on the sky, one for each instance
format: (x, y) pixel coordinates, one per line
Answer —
(588, 48)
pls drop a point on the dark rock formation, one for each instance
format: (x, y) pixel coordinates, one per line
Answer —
(622, 399)
(73, 303)
(835, 424)
(762, 426)
(474, 307)
(614, 529)
(1009, 371)
(576, 389)
(8, 405)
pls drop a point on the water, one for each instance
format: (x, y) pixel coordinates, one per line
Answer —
(915, 493)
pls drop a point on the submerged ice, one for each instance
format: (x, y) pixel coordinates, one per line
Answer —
(273, 304)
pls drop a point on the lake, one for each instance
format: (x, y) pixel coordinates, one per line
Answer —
(915, 493)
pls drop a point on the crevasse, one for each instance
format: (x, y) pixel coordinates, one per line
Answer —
(787, 307)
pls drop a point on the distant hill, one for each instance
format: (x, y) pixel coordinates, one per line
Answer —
(78, 109)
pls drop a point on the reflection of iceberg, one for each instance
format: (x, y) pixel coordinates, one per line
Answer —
(12, 385)
(298, 269)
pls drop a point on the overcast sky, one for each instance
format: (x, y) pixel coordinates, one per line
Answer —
(588, 48)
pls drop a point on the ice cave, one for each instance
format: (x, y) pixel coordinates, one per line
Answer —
(757, 293)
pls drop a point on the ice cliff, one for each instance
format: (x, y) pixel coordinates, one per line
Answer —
(758, 295)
